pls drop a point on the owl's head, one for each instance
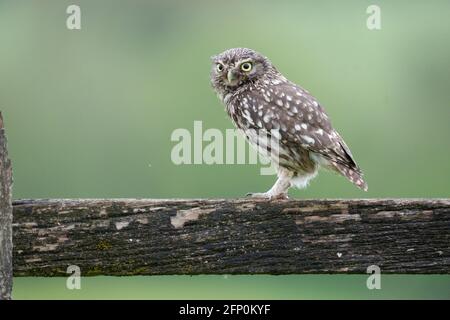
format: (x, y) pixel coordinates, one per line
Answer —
(236, 67)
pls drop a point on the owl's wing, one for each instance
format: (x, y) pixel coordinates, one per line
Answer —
(302, 122)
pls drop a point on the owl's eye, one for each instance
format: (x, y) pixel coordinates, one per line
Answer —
(246, 66)
(219, 67)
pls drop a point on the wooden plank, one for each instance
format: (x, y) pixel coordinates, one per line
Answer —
(245, 236)
(6, 269)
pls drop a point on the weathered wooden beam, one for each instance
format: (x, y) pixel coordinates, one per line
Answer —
(158, 237)
(6, 269)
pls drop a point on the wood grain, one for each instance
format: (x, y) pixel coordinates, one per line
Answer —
(6, 269)
(161, 237)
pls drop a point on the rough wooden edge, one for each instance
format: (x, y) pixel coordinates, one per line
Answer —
(6, 245)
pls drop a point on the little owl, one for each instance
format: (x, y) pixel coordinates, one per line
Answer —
(259, 99)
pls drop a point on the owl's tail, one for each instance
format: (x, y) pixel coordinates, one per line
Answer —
(353, 174)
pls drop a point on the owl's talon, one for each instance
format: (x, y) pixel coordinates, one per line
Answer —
(259, 195)
(267, 196)
(283, 196)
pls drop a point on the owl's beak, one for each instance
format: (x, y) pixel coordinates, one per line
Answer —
(232, 77)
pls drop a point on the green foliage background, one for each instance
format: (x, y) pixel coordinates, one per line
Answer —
(89, 113)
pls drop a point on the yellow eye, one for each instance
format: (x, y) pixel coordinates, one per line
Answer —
(246, 66)
(219, 67)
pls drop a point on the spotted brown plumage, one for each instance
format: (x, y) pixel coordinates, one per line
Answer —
(258, 98)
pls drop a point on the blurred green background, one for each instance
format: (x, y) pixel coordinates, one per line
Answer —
(89, 113)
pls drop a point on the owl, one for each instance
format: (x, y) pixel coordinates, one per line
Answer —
(267, 107)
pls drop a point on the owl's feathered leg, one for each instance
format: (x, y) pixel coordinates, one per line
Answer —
(279, 189)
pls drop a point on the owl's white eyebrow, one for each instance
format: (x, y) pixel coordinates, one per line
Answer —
(245, 60)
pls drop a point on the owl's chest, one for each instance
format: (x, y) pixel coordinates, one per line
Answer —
(236, 114)
(240, 112)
